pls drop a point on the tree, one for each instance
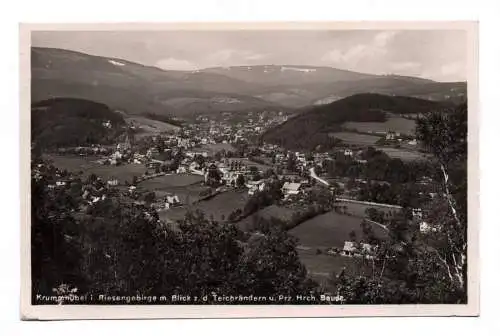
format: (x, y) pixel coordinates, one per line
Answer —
(291, 163)
(352, 236)
(56, 251)
(375, 215)
(199, 159)
(214, 176)
(411, 267)
(123, 249)
(149, 197)
(445, 136)
(257, 177)
(240, 181)
(269, 173)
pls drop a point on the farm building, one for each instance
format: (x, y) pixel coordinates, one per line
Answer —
(112, 182)
(254, 186)
(353, 249)
(290, 188)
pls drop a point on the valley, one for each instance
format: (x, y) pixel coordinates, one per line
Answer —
(308, 172)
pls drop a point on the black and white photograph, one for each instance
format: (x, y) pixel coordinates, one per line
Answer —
(328, 167)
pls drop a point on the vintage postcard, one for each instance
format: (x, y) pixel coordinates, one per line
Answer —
(324, 169)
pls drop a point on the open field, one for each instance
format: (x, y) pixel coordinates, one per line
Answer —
(217, 206)
(88, 165)
(171, 180)
(330, 230)
(148, 127)
(187, 194)
(282, 213)
(320, 267)
(394, 124)
(403, 154)
(260, 166)
(214, 148)
(355, 138)
(358, 210)
(185, 186)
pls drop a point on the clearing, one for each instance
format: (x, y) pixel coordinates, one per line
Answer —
(321, 267)
(394, 124)
(358, 210)
(330, 230)
(150, 127)
(276, 211)
(356, 138)
(403, 154)
(171, 180)
(89, 165)
(214, 148)
(218, 206)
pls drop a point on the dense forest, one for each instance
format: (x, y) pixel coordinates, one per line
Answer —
(311, 128)
(66, 122)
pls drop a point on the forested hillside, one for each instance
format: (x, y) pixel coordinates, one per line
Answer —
(73, 122)
(311, 128)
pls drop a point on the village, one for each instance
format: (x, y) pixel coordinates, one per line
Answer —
(224, 157)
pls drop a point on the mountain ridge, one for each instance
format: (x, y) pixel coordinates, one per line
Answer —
(140, 89)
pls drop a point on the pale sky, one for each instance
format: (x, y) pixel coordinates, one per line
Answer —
(435, 54)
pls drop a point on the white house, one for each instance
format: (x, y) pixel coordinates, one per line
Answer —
(172, 200)
(368, 249)
(412, 142)
(348, 152)
(182, 169)
(352, 249)
(425, 227)
(416, 213)
(255, 186)
(153, 151)
(290, 188)
(113, 182)
(116, 155)
(349, 249)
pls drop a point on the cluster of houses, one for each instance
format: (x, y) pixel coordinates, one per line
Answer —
(167, 202)
(424, 226)
(355, 249)
(228, 130)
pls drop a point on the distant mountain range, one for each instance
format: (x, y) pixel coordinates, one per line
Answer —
(140, 89)
(313, 127)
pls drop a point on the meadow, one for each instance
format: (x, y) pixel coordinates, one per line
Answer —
(219, 206)
(356, 138)
(403, 154)
(321, 267)
(394, 124)
(88, 165)
(214, 148)
(171, 180)
(150, 127)
(330, 230)
(326, 231)
(358, 210)
(276, 211)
